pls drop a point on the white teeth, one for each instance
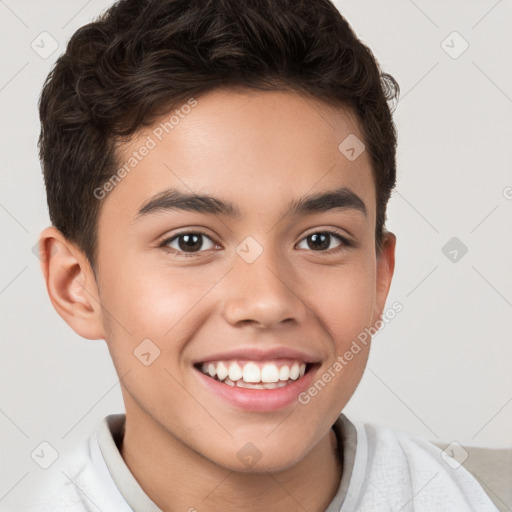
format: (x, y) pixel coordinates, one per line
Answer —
(284, 373)
(251, 373)
(294, 372)
(222, 371)
(235, 372)
(269, 373)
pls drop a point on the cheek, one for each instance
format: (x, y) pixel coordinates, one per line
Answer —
(152, 300)
(344, 306)
(344, 299)
(153, 303)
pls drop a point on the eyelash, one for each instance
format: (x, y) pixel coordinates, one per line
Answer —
(180, 254)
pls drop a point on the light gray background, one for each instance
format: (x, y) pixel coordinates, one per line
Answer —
(440, 369)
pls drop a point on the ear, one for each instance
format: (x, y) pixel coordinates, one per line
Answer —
(385, 269)
(71, 284)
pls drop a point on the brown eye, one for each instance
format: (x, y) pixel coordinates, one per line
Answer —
(321, 241)
(189, 242)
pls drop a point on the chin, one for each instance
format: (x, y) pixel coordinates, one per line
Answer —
(250, 459)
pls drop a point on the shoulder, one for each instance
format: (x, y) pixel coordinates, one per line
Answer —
(58, 489)
(404, 472)
(77, 482)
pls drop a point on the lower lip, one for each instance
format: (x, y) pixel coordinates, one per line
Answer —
(259, 400)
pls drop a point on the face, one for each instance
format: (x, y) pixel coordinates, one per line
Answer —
(222, 313)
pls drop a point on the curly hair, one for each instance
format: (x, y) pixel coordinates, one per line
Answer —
(141, 58)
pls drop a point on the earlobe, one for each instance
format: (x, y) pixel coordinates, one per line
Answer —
(71, 284)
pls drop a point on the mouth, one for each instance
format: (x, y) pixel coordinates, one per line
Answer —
(255, 374)
(257, 385)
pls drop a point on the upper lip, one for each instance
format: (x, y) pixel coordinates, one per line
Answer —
(260, 354)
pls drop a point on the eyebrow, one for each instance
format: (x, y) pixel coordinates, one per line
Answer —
(174, 199)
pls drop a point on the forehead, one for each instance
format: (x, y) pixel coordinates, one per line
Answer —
(255, 149)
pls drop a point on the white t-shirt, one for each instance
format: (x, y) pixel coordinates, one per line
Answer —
(383, 470)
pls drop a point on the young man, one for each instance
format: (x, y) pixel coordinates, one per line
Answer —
(217, 175)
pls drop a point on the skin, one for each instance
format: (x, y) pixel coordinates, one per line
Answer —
(258, 150)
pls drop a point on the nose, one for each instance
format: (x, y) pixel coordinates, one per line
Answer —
(264, 293)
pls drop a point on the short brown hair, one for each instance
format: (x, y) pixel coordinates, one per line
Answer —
(141, 58)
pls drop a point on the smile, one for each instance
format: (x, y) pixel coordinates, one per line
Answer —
(257, 385)
(255, 374)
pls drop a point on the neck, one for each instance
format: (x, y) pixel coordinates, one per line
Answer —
(177, 478)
